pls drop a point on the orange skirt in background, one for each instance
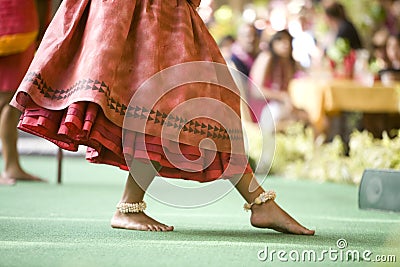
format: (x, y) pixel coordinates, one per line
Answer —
(19, 26)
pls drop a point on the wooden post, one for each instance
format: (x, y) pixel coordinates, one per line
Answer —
(59, 167)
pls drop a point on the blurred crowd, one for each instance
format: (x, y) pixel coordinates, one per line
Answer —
(321, 29)
(274, 51)
(282, 48)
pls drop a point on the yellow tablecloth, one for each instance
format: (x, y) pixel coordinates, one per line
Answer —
(321, 98)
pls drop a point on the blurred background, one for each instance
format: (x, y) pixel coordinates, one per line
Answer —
(345, 89)
(224, 16)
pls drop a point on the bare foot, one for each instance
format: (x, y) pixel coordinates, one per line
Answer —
(270, 215)
(138, 221)
(6, 181)
(20, 175)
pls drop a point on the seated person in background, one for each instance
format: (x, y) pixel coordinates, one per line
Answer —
(347, 37)
(241, 55)
(378, 60)
(376, 123)
(245, 48)
(391, 72)
(225, 46)
(339, 22)
(269, 100)
(272, 72)
(346, 40)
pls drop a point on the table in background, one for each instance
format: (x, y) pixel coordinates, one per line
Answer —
(324, 98)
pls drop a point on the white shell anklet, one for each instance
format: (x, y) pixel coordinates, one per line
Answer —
(124, 207)
(262, 198)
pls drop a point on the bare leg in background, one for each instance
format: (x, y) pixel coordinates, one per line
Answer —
(9, 117)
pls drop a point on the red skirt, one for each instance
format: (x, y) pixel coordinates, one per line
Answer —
(13, 68)
(80, 85)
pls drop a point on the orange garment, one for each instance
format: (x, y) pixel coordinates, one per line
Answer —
(92, 60)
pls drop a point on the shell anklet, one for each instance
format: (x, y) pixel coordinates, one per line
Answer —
(262, 198)
(124, 207)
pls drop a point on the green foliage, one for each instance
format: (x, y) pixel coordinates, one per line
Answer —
(260, 2)
(225, 23)
(375, 66)
(299, 155)
(339, 51)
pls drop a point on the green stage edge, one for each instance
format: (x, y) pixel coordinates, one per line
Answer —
(45, 224)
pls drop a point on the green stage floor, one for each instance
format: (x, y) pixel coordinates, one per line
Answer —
(45, 224)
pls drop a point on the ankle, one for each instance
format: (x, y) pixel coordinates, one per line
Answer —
(129, 207)
(263, 198)
(130, 199)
